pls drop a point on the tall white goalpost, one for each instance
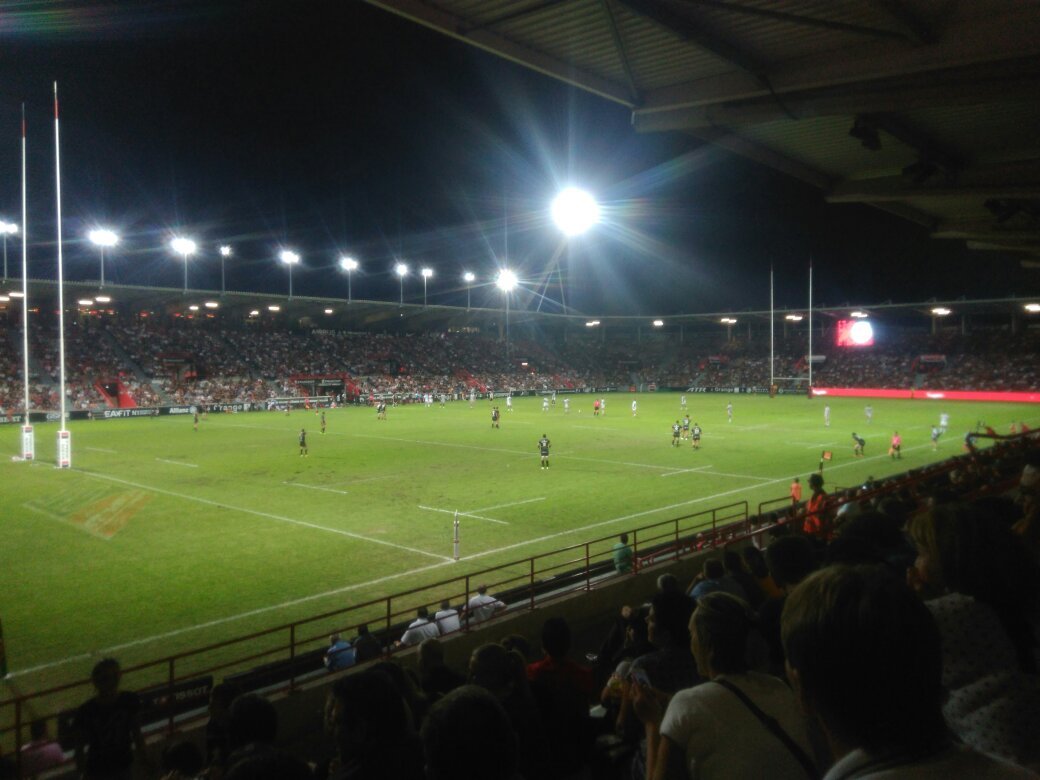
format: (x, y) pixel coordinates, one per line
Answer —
(64, 436)
(28, 437)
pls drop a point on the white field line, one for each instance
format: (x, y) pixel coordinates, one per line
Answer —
(267, 515)
(738, 476)
(178, 463)
(685, 471)
(65, 521)
(511, 503)
(390, 577)
(100, 449)
(317, 487)
(463, 514)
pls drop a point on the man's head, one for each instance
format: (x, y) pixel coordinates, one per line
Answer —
(713, 569)
(431, 653)
(816, 481)
(863, 655)
(472, 717)
(668, 620)
(105, 676)
(333, 639)
(623, 538)
(252, 719)
(790, 560)
(556, 637)
(719, 632)
(445, 604)
(482, 589)
(422, 613)
(796, 480)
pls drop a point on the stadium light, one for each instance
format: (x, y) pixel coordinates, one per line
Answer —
(5, 298)
(7, 229)
(193, 307)
(211, 305)
(103, 298)
(290, 259)
(574, 211)
(794, 317)
(426, 274)
(16, 294)
(103, 239)
(185, 247)
(274, 307)
(507, 280)
(728, 321)
(85, 301)
(402, 271)
(941, 311)
(469, 277)
(349, 264)
(859, 315)
(592, 323)
(1032, 308)
(328, 311)
(225, 253)
(254, 313)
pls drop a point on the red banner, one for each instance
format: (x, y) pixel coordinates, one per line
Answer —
(935, 395)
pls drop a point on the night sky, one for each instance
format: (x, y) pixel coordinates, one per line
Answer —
(336, 127)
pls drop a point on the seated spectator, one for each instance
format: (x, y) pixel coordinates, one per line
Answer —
(467, 736)
(622, 555)
(864, 658)
(372, 730)
(735, 570)
(742, 724)
(756, 564)
(41, 752)
(519, 645)
(366, 646)
(407, 684)
(107, 727)
(713, 578)
(218, 740)
(667, 582)
(790, 559)
(435, 678)
(252, 729)
(482, 606)
(340, 654)
(419, 629)
(181, 761)
(447, 618)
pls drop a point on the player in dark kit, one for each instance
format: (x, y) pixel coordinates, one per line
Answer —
(543, 448)
(495, 417)
(858, 443)
(323, 423)
(696, 436)
(303, 442)
(676, 430)
(196, 420)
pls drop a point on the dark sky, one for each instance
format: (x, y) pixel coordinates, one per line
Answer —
(331, 127)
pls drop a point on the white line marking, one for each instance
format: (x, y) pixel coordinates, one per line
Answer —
(100, 449)
(268, 515)
(463, 514)
(511, 503)
(178, 463)
(685, 471)
(316, 487)
(387, 578)
(65, 521)
(739, 476)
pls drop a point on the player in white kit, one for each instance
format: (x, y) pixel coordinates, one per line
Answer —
(827, 416)
(566, 405)
(509, 403)
(635, 408)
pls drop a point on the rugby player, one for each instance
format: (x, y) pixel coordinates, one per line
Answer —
(543, 448)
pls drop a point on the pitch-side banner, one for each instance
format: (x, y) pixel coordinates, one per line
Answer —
(929, 395)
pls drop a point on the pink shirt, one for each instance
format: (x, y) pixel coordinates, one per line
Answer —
(897, 441)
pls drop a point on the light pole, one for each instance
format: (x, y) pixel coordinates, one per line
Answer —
(290, 259)
(426, 274)
(7, 229)
(469, 277)
(225, 253)
(102, 239)
(185, 247)
(402, 271)
(506, 281)
(348, 264)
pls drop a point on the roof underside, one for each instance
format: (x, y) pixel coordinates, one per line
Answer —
(929, 109)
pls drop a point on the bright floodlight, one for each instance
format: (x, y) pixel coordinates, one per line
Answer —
(8, 228)
(940, 311)
(728, 321)
(401, 269)
(1032, 308)
(254, 313)
(183, 246)
(592, 323)
(289, 258)
(225, 251)
(859, 315)
(85, 302)
(658, 323)
(274, 307)
(328, 311)
(212, 305)
(862, 333)
(506, 280)
(103, 299)
(794, 317)
(574, 211)
(469, 277)
(348, 263)
(103, 238)
(427, 273)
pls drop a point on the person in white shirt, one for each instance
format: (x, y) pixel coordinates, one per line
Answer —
(421, 628)
(635, 406)
(944, 422)
(482, 606)
(545, 403)
(509, 403)
(566, 405)
(827, 416)
(447, 618)
(603, 406)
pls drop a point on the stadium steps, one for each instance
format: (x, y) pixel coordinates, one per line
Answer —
(35, 369)
(124, 356)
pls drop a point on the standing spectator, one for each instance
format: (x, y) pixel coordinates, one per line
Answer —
(340, 654)
(41, 752)
(864, 657)
(447, 619)
(482, 606)
(366, 646)
(107, 727)
(796, 491)
(421, 628)
(622, 555)
(817, 514)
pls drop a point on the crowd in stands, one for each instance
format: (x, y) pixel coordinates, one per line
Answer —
(178, 360)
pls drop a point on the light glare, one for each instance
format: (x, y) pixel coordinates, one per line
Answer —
(658, 323)
(274, 307)
(103, 238)
(8, 228)
(212, 304)
(469, 277)
(103, 299)
(225, 251)
(506, 280)
(348, 263)
(1033, 307)
(183, 246)
(574, 211)
(940, 311)
(401, 269)
(288, 257)
(426, 273)
(859, 315)
(794, 317)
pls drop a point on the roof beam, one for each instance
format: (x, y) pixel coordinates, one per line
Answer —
(916, 27)
(989, 246)
(619, 46)
(511, 16)
(799, 19)
(455, 27)
(1013, 33)
(1003, 180)
(985, 230)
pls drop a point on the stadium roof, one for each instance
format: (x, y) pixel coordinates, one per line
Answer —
(927, 109)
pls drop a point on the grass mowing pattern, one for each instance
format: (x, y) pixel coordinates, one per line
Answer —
(162, 538)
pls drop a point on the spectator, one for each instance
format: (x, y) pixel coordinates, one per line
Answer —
(736, 572)
(421, 628)
(817, 521)
(713, 578)
(790, 559)
(756, 564)
(467, 736)
(252, 729)
(865, 659)
(41, 752)
(107, 727)
(482, 606)
(340, 654)
(667, 583)
(746, 724)
(407, 685)
(622, 555)
(218, 738)
(447, 619)
(435, 678)
(181, 761)
(519, 645)
(366, 646)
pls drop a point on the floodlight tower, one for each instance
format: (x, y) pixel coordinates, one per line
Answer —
(506, 281)
(103, 239)
(185, 247)
(7, 229)
(426, 274)
(469, 277)
(348, 264)
(401, 270)
(225, 253)
(290, 259)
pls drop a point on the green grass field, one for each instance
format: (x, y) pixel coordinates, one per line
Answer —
(162, 538)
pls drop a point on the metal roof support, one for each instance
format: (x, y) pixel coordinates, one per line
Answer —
(799, 19)
(619, 44)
